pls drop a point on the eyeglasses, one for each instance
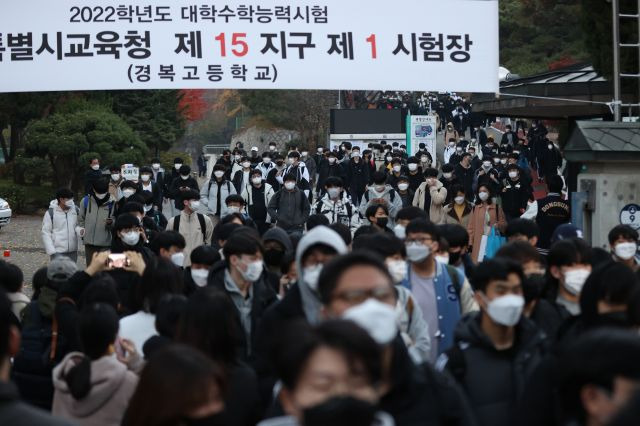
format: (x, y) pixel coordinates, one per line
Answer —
(383, 293)
(418, 240)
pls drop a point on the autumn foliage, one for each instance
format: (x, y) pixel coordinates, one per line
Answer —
(192, 104)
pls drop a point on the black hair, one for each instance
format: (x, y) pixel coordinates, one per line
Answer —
(413, 160)
(569, 252)
(379, 178)
(285, 264)
(132, 207)
(362, 232)
(624, 231)
(382, 243)
(373, 208)
(299, 341)
(225, 231)
(204, 255)
(114, 168)
(100, 186)
(423, 226)
(555, 183)
(334, 181)
(447, 168)
(242, 243)
(209, 324)
(7, 320)
(178, 160)
(155, 160)
(317, 220)
(295, 154)
(596, 358)
(255, 172)
(520, 251)
(146, 169)
(430, 172)
(290, 177)
(147, 196)
(494, 269)
(167, 239)
(410, 213)
(336, 267)
(342, 230)
(11, 277)
(486, 185)
(235, 198)
(125, 221)
(159, 278)
(525, 227)
(184, 170)
(168, 312)
(129, 184)
(189, 194)
(456, 235)
(219, 168)
(64, 193)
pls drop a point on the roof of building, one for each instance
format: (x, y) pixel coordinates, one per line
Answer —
(604, 141)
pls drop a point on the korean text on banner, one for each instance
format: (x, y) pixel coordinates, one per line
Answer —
(50, 45)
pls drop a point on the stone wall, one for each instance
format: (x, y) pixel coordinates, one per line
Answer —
(261, 137)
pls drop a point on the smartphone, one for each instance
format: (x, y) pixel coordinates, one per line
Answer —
(117, 260)
(120, 351)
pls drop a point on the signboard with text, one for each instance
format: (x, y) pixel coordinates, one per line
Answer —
(422, 129)
(50, 45)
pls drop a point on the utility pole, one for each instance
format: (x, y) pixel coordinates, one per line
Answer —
(616, 59)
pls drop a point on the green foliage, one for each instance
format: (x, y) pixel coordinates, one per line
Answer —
(166, 159)
(36, 169)
(153, 114)
(16, 195)
(68, 140)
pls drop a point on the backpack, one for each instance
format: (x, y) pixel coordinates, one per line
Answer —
(349, 208)
(85, 202)
(455, 279)
(211, 184)
(203, 226)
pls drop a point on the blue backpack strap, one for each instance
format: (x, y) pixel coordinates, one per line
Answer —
(85, 202)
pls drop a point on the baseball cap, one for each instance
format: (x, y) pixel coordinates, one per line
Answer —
(565, 232)
(61, 268)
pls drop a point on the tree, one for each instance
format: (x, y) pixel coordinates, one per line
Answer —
(68, 140)
(192, 104)
(155, 115)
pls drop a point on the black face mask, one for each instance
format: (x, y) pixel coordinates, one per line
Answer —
(340, 411)
(454, 257)
(382, 221)
(273, 257)
(532, 286)
(217, 419)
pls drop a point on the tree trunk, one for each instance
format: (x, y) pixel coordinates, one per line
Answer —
(3, 143)
(16, 142)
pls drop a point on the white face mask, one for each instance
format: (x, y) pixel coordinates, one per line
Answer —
(115, 176)
(379, 188)
(184, 177)
(156, 166)
(403, 186)
(389, 158)
(400, 231)
(194, 205)
(447, 175)
(145, 178)
(459, 200)
(484, 196)
(69, 203)
(304, 153)
(237, 157)
(355, 154)
(96, 167)
(128, 192)
(332, 160)
(397, 169)
(417, 252)
(333, 192)
(486, 166)
(233, 209)
(218, 173)
(625, 251)
(266, 160)
(178, 259)
(100, 195)
(442, 259)
(253, 272)
(513, 175)
(130, 238)
(574, 280)
(412, 167)
(148, 207)
(256, 180)
(289, 185)
(291, 160)
(397, 269)
(503, 161)
(506, 310)
(550, 146)
(200, 277)
(379, 319)
(272, 148)
(246, 164)
(310, 275)
(177, 166)
(424, 159)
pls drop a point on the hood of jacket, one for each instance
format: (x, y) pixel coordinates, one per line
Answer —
(318, 235)
(279, 235)
(375, 194)
(107, 375)
(329, 203)
(56, 207)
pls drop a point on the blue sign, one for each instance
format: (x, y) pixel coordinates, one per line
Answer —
(630, 215)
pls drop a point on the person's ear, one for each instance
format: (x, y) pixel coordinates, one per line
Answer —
(555, 272)
(288, 405)
(593, 401)
(533, 241)
(435, 246)
(14, 341)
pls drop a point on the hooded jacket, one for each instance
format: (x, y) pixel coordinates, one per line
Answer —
(247, 194)
(191, 230)
(394, 205)
(279, 235)
(338, 211)
(112, 386)
(438, 195)
(494, 380)
(93, 219)
(59, 232)
(209, 195)
(15, 412)
(289, 209)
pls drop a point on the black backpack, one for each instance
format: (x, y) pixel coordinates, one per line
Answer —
(203, 226)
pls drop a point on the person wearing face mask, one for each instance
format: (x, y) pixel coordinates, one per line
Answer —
(451, 133)
(298, 169)
(202, 258)
(276, 174)
(235, 207)
(336, 205)
(465, 175)
(442, 292)
(404, 191)
(456, 157)
(195, 227)
(552, 211)
(213, 193)
(487, 175)
(241, 277)
(225, 160)
(170, 245)
(415, 173)
(95, 219)
(569, 263)
(257, 197)
(157, 176)
(431, 195)
(153, 220)
(358, 287)
(175, 173)
(380, 193)
(241, 178)
(515, 194)
(330, 167)
(476, 162)
(59, 226)
(289, 208)
(396, 171)
(114, 182)
(236, 162)
(484, 216)
(301, 302)
(448, 180)
(457, 241)
(550, 159)
(623, 241)
(358, 172)
(147, 184)
(378, 217)
(128, 189)
(449, 150)
(93, 174)
(311, 165)
(266, 165)
(490, 149)
(498, 336)
(181, 184)
(458, 211)
(387, 158)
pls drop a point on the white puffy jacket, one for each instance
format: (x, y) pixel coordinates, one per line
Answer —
(59, 235)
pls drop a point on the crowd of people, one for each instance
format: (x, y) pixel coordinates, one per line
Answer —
(336, 287)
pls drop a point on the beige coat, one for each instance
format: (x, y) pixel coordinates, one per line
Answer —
(190, 230)
(476, 226)
(450, 217)
(438, 196)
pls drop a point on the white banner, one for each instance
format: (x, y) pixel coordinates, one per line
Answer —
(437, 45)
(422, 129)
